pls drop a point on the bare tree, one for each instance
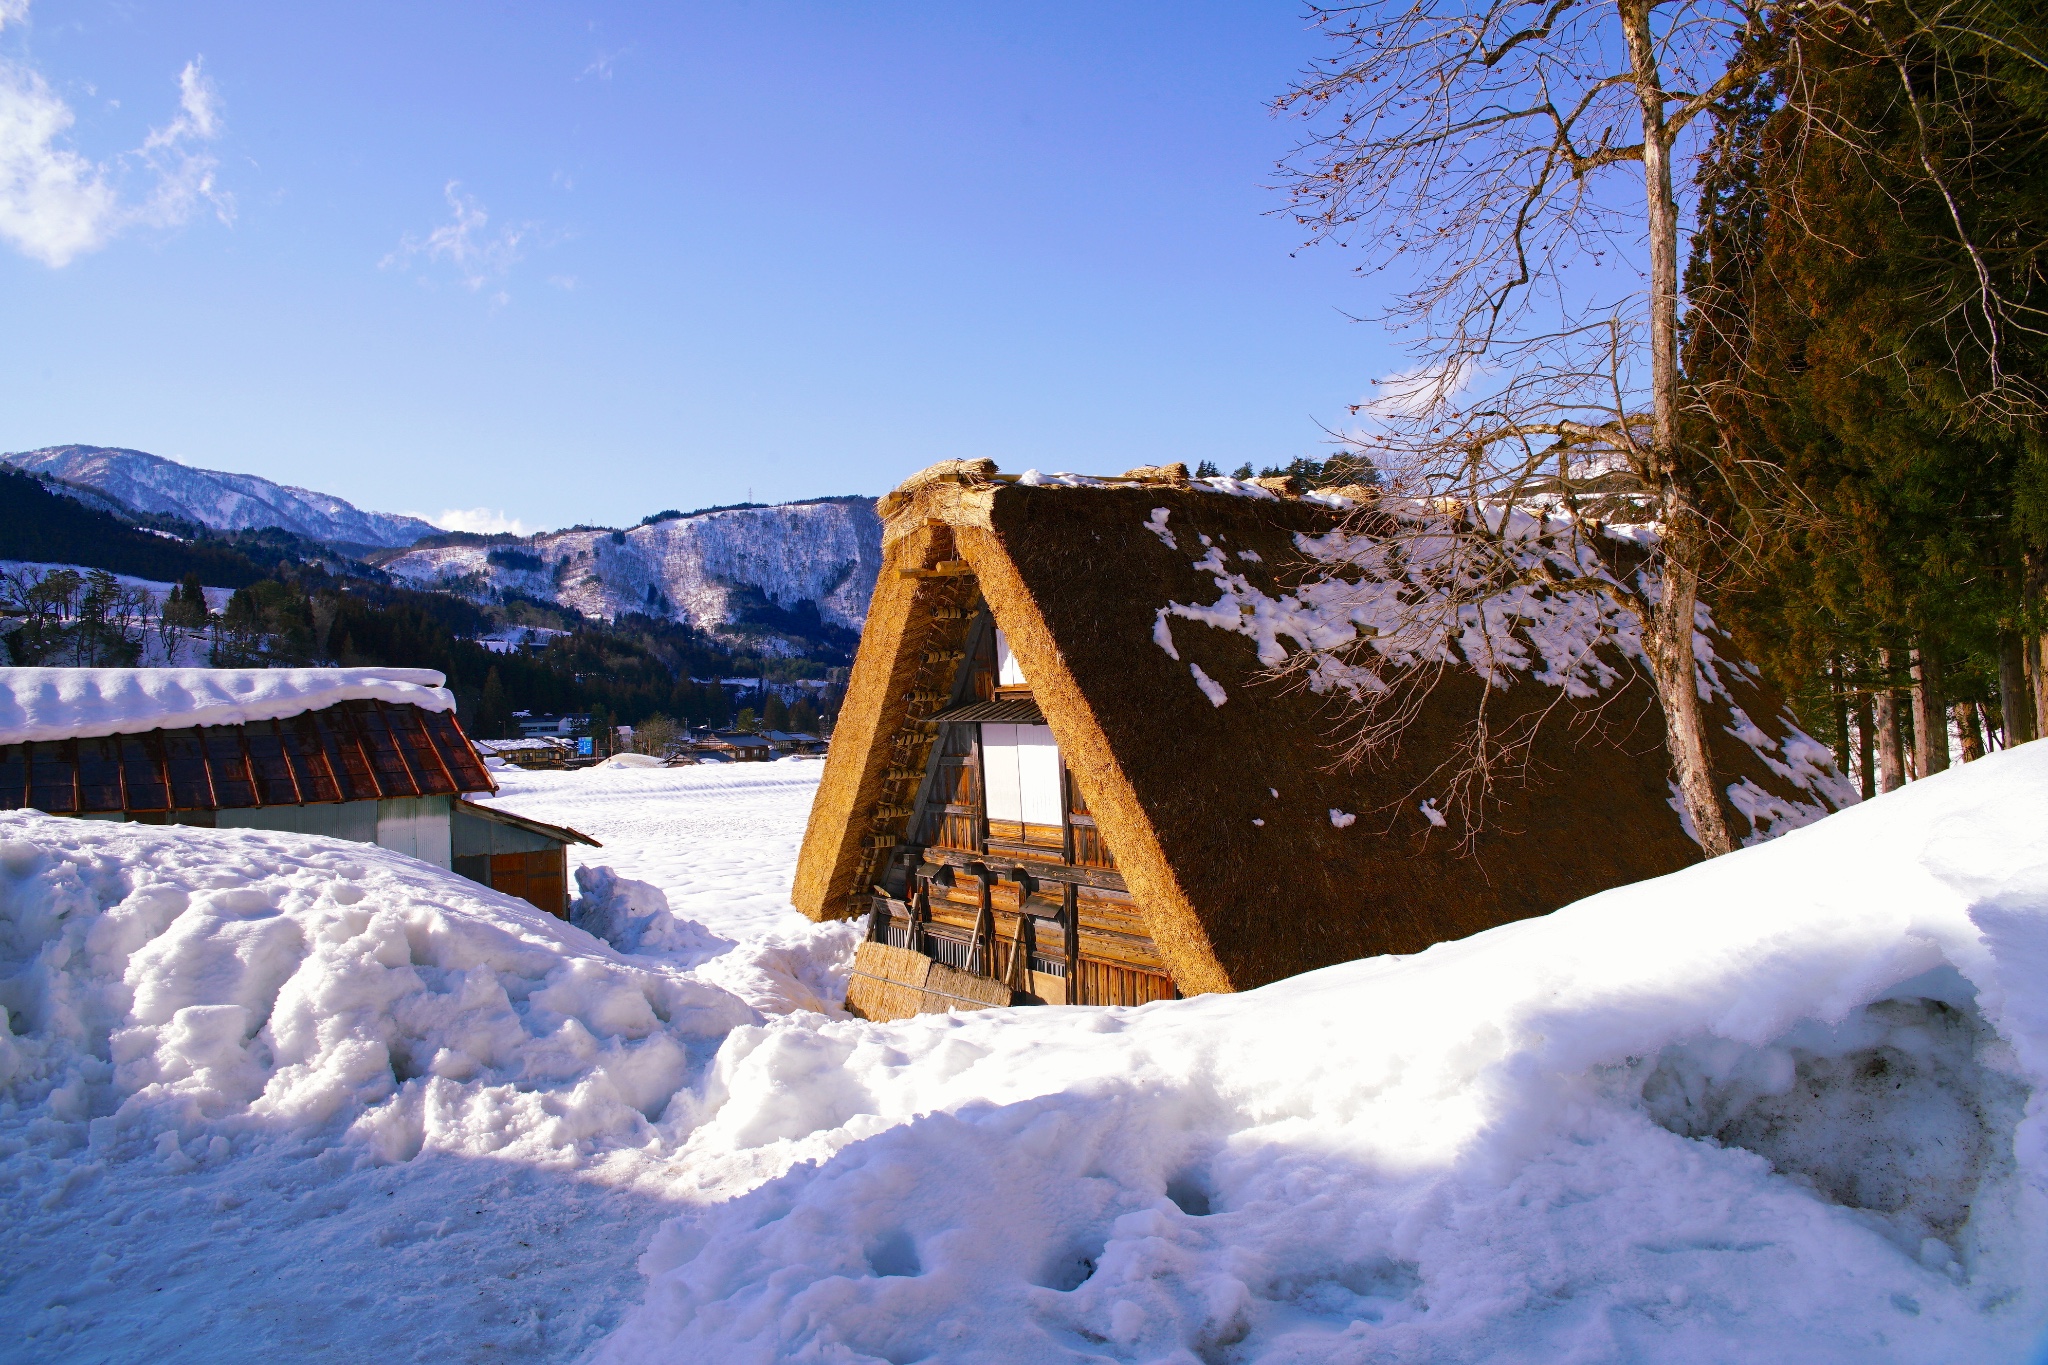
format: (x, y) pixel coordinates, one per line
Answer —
(1483, 148)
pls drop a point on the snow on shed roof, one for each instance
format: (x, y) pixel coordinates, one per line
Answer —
(83, 703)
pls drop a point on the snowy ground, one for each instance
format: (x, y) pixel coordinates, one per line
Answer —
(720, 839)
(505, 1233)
(275, 1093)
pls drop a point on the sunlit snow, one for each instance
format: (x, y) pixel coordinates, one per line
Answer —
(270, 1093)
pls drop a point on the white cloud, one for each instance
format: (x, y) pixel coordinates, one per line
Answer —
(56, 204)
(483, 521)
(1414, 393)
(478, 256)
(601, 65)
(184, 172)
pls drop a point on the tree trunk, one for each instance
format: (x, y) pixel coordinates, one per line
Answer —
(1973, 733)
(2015, 704)
(1866, 729)
(1930, 714)
(2036, 656)
(1676, 671)
(1838, 694)
(1891, 752)
(1681, 545)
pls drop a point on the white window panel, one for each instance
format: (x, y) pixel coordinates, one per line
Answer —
(1038, 774)
(1020, 768)
(1009, 673)
(999, 785)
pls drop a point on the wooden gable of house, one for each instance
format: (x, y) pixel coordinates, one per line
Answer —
(1013, 881)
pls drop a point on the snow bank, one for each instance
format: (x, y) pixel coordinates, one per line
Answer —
(634, 918)
(633, 761)
(1779, 1106)
(197, 993)
(220, 1048)
(61, 703)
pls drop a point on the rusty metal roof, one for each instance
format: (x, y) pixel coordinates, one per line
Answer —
(354, 751)
(528, 823)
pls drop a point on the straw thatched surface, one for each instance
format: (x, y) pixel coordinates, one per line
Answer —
(895, 983)
(1074, 577)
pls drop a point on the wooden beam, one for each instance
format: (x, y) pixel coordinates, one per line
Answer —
(1099, 878)
(945, 568)
(1071, 912)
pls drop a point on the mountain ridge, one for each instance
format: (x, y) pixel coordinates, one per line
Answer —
(725, 570)
(217, 499)
(784, 577)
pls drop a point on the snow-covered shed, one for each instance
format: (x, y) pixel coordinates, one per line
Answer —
(515, 854)
(1063, 771)
(375, 755)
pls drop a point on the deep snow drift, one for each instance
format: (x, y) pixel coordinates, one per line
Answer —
(274, 1092)
(1772, 1108)
(266, 1091)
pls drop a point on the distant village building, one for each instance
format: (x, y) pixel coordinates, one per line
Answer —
(736, 747)
(373, 755)
(542, 751)
(1063, 775)
(532, 726)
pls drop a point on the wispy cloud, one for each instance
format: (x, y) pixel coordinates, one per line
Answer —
(600, 66)
(483, 521)
(465, 242)
(1414, 393)
(57, 204)
(177, 153)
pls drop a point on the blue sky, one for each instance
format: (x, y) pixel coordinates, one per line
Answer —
(580, 263)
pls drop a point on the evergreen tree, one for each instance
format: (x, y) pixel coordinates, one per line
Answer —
(494, 715)
(1841, 341)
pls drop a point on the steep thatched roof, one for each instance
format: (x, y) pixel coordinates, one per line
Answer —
(1221, 815)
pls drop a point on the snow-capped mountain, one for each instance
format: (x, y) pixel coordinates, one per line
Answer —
(713, 569)
(217, 500)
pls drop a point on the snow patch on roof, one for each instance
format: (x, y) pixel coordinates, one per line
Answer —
(83, 703)
(1370, 614)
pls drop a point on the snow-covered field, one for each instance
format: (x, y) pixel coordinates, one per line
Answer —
(269, 1092)
(720, 840)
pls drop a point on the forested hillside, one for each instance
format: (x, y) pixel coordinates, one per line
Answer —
(47, 528)
(297, 602)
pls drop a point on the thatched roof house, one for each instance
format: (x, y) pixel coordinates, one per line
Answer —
(1062, 773)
